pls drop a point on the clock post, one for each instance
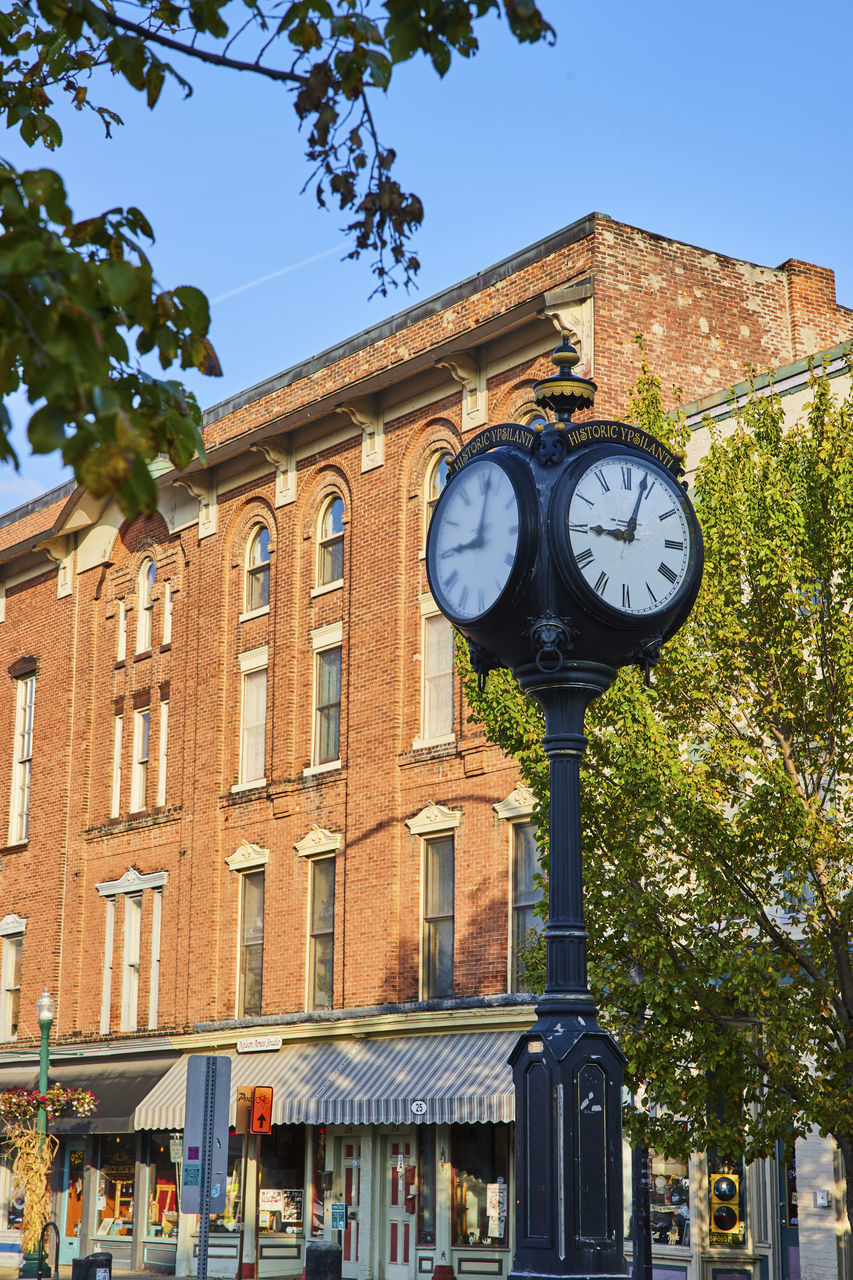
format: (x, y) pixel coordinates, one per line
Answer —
(564, 553)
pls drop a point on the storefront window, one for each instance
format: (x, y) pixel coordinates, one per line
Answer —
(281, 1186)
(116, 1171)
(164, 1155)
(727, 1209)
(319, 1182)
(479, 1157)
(426, 1186)
(669, 1199)
(229, 1219)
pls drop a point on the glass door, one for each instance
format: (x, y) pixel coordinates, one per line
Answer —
(71, 1204)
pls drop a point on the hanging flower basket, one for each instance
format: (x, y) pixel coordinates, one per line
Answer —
(33, 1152)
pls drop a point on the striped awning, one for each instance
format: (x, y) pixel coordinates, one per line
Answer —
(449, 1078)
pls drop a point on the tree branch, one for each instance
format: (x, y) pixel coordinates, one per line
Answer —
(202, 55)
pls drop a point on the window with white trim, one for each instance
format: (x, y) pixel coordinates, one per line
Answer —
(435, 480)
(132, 888)
(145, 606)
(139, 771)
(22, 763)
(436, 675)
(12, 929)
(327, 643)
(251, 962)
(525, 887)
(249, 862)
(253, 716)
(526, 893)
(162, 754)
(434, 825)
(130, 962)
(257, 592)
(115, 791)
(321, 934)
(330, 543)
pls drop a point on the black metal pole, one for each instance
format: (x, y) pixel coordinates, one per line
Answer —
(567, 1071)
(641, 1218)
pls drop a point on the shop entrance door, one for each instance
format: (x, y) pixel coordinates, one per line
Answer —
(348, 1179)
(399, 1193)
(71, 1204)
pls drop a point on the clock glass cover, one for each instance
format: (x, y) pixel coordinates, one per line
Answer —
(630, 538)
(473, 540)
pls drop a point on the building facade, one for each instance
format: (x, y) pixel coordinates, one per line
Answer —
(247, 813)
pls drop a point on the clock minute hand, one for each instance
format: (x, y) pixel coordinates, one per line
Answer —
(632, 522)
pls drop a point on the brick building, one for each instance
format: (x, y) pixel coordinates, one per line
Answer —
(246, 813)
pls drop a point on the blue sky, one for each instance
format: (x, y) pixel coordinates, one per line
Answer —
(723, 126)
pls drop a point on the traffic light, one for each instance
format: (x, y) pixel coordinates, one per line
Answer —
(725, 1205)
(260, 1119)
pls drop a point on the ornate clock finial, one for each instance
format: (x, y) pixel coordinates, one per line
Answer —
(565, 392)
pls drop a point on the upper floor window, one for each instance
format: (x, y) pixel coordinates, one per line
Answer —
(436, 479)
(22, 762)
(526, 892)
(438, 918)
(251, 964)
(128, 924)
(145, 606)
(258, 570)
(121, 631)
(253, 716)
(330, 548)
(12, 935)
(139, 774)
(437, 678)
(321, 937)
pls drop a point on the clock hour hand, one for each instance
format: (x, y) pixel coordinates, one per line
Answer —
(619, 534)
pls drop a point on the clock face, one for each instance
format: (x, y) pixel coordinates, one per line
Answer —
(473, 540)
(629, 537)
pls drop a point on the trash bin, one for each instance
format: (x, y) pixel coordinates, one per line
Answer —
(97, 1266)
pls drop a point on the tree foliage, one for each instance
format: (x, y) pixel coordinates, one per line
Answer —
(86, 286)
(718, 804)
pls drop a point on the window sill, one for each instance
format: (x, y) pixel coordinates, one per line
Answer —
(326, 588)
(426, 744)
(120, 663)
(166, 646)
(14, 845)
(254, 785)
(133, 821)
(312, 770)
(143, 656)
(263, 612)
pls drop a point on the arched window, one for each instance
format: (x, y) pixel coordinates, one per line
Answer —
(436, 479)
(258, 569)
(145, 606)
(330, 550)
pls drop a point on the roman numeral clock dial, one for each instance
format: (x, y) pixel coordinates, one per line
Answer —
(627, 538)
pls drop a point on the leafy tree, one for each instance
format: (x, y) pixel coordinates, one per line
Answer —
(718, 806)
(78, 300)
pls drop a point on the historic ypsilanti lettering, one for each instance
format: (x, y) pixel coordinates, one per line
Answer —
(577, 437)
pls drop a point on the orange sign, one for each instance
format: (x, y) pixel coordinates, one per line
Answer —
(260, 1121)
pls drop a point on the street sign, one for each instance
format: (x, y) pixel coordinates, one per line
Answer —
(260, 1120)
(204, 1175)
(243, 1109)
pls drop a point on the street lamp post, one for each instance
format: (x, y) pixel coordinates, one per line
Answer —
(46, 1011)
(564, 552)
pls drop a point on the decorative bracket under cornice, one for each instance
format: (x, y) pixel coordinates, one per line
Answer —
(364, 414)
(466, 369)
(61, 551)
(202, 485)
(571, 311)
(282, 457)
